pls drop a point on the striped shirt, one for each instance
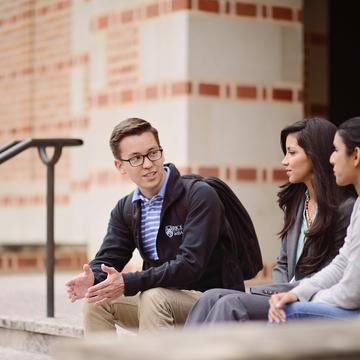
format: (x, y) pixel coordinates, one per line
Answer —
(150, 218)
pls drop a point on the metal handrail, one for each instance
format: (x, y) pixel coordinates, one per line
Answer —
(14, 148)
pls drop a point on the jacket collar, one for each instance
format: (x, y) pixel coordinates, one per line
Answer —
(175, 187)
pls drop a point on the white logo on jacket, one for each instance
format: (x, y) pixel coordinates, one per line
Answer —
(173, 230)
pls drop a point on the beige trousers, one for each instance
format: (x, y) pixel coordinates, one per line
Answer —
(151, 310)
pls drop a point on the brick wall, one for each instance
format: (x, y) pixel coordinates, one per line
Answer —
(219, 79)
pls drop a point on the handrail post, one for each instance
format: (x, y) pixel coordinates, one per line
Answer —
(50, 243)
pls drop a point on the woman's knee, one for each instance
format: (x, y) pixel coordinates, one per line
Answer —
(212, 296)
(230, 308)
(229, 302)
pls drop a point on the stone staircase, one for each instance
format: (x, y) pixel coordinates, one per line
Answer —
(26, 333)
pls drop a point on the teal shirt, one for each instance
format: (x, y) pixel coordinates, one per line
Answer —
(303, 230)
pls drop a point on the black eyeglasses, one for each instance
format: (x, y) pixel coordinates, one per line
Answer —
(138, 160)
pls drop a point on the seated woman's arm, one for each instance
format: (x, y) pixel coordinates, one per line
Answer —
(338, 284)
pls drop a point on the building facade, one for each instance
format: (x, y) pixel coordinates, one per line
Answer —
(219, 79)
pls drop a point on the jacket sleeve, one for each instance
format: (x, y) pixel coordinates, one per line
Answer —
(117, 247)
(324, 279)
(336, 284)
(200, 235)
(280, 270)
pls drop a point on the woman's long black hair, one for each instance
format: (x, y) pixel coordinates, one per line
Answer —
(315, 136)
(350, 134)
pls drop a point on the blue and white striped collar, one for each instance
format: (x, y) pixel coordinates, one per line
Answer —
(137, 195)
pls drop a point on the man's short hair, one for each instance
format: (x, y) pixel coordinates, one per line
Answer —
(128, 127)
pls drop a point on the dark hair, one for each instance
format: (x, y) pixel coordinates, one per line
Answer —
(315, 136)
(350, 134)
(128, 127)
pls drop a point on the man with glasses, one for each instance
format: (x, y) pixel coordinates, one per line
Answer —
(176, 231)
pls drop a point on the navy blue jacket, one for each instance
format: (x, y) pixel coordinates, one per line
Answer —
(190, 243)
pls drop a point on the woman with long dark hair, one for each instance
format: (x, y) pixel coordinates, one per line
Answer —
(316, 214)
(333, 292)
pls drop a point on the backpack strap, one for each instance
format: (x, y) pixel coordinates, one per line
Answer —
(128, 211)
(188, 181)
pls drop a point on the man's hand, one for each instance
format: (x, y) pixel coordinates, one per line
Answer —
(78, 286)
(107, 290)
(277, 301)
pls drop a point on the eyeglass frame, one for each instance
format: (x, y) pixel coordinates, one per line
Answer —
(160, 149)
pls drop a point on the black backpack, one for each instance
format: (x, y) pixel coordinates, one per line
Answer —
(242, 245)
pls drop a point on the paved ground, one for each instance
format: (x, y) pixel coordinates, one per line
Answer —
(25, 295)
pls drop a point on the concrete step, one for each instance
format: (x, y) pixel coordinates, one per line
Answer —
(253, 340)
(36, 335)
(11, 354)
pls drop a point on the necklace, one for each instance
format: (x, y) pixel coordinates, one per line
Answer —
(308, 218)
(307, 212)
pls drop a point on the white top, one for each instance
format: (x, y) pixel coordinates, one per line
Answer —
(338, 283)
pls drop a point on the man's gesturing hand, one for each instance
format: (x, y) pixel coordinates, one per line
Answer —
(107, 290)
(78, 286)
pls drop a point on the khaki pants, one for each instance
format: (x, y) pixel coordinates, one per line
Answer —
(151, 310)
